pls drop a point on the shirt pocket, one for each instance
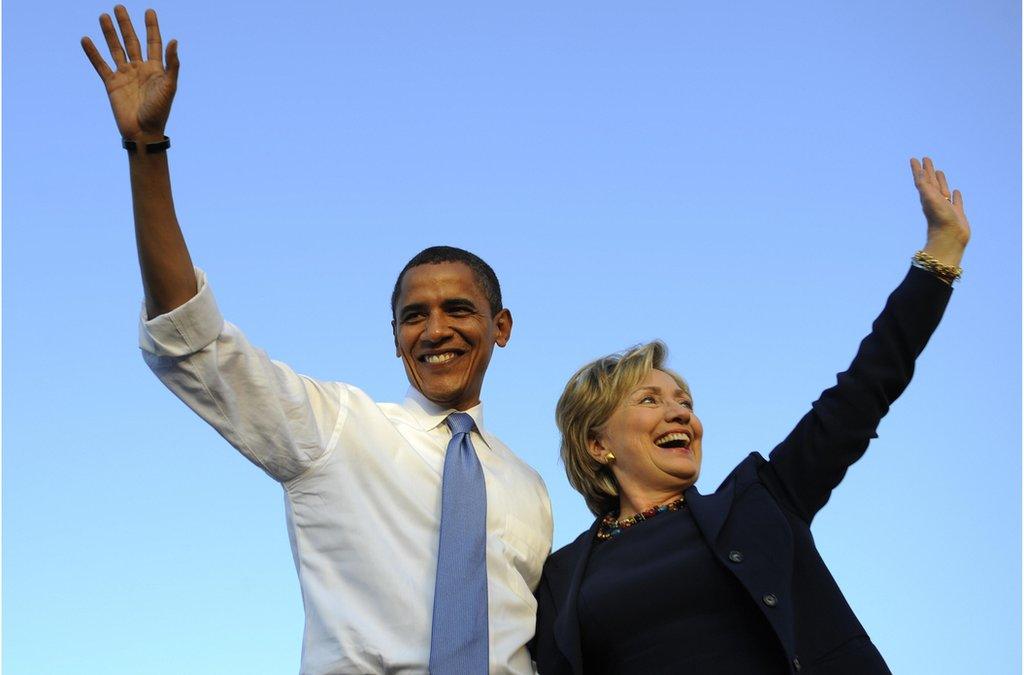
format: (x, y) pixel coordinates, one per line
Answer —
(526, 548)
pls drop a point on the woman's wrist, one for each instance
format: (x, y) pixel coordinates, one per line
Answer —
(947, 250)
(946, 273)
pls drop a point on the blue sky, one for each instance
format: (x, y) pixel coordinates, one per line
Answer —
(732, 178)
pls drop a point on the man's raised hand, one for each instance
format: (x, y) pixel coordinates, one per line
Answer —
(140, 90)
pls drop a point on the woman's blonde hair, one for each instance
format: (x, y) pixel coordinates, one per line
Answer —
(590, 397)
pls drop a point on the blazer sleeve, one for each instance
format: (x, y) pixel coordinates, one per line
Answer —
(804, 468)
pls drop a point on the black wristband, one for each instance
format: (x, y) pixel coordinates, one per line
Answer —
(151, 148)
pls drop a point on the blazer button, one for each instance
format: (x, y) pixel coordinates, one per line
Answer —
(735, 556)
(796, 663)
(770, 600)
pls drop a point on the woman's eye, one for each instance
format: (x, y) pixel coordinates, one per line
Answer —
(648, 399)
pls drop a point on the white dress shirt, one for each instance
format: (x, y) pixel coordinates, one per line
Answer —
(362, 486)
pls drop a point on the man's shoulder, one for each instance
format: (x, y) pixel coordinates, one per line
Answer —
(357, 398)
(511, 460)
(357, 407)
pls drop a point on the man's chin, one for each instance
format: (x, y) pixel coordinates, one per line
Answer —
(446, 397)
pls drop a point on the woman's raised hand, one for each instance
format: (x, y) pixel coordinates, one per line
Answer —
(140, 90)
(948, 229)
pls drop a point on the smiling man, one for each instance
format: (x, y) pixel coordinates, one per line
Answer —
(418, 537)
(448, 315)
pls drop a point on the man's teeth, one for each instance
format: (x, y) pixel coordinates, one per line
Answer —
(674, 437)
(439, 358)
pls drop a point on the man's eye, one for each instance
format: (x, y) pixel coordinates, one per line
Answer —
(411, 317)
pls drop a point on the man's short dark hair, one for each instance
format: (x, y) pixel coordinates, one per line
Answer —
(485, 276)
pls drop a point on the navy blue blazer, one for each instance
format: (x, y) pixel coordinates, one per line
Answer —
(758, 521)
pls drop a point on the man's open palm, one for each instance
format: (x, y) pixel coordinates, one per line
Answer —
(140, 91)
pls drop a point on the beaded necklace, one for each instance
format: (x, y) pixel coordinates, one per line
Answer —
(610, 527)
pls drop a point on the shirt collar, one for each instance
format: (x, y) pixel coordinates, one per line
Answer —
(428, 415)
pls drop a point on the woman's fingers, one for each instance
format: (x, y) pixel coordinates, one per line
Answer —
(93, 54)
(131, 41)
(928, 178)
(958, 203)
(113, 43)
(929, 170)
(943, 186)
(154, 44)
(915, 168)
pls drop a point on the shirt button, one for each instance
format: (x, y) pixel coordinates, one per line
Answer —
(735, 556)
(770, 600)
(796, 663)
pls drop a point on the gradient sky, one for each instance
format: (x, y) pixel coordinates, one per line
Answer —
(730, 177)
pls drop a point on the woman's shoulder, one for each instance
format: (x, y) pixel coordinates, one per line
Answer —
(747, 471)
(565, 558)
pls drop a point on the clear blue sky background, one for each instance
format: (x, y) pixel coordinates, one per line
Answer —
(730, 177)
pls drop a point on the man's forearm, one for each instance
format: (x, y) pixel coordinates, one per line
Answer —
(141, 91)
(167, 275)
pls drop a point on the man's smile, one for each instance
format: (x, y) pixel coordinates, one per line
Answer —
(440, 358)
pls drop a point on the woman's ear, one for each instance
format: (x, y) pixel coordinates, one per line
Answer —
(595, 446)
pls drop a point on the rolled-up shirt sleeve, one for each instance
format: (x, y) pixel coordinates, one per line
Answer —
(281, 421)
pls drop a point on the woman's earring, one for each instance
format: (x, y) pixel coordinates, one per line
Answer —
(609, 458)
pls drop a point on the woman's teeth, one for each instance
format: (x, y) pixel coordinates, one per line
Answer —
(674, 439)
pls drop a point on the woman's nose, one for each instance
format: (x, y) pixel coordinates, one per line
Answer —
(678, 411)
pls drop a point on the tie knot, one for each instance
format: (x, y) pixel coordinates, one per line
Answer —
(460, 423)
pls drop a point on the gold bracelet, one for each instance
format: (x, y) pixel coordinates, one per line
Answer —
(948, 273)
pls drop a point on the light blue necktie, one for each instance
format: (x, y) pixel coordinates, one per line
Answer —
(458, 636)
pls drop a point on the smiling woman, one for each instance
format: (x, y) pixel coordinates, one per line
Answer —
(631, 411)
(654, 440)
(729, 582)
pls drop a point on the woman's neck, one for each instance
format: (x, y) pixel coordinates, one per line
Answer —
(630, 505)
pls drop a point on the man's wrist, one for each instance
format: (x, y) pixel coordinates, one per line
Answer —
(147, 145)
(144, 136)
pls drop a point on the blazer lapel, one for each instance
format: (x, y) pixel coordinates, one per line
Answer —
(710, 511)
(567, 625)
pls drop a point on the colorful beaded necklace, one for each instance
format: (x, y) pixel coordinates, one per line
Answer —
(610, 527)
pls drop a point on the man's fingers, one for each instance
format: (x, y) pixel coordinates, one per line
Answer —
(943, 186)
(154, 45)
(113, 44)
(131, 41)
(172, 59)
(93, 54)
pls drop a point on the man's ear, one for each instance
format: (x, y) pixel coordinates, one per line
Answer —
(394, 334)
(502, 327)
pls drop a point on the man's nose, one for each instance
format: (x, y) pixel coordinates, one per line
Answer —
(437, 327)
